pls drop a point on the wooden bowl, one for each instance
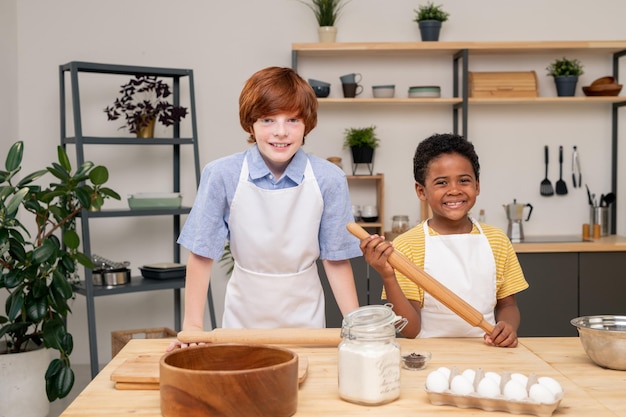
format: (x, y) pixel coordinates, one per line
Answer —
(602, 90)
(229, 380)
(604, 80)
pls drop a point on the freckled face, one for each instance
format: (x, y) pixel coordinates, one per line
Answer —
(278, 137)
(450, 188)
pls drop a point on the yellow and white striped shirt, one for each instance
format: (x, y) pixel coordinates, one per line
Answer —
(509, 276)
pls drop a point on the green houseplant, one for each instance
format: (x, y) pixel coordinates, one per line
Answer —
(39, 265)
(565, 72)
(143, 102)
(362, 142)
(326, 13)
(429, 17)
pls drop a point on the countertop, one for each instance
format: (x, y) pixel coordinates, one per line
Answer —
(589, 389)
(612, 243)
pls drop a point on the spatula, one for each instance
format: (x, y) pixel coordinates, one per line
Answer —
(561, 187)
(546, 185)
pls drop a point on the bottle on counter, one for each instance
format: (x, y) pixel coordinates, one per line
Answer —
(369, 356)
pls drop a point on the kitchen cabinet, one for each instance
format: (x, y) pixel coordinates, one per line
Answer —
(461, 53)
(566, 285)
(82, 142)
(602, 283)
(551, 300)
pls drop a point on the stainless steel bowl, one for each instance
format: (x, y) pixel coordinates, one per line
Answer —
(604, 339)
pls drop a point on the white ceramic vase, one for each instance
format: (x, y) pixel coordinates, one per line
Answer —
(23, 392)
(327, 34)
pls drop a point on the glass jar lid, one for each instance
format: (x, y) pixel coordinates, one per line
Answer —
(371, 321)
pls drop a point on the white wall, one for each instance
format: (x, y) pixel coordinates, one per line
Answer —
(225, 42)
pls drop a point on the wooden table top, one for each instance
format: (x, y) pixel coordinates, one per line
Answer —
(589, 389)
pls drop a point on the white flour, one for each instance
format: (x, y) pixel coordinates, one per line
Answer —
(369, 373)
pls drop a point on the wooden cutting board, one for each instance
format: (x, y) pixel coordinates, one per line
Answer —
(142, 372)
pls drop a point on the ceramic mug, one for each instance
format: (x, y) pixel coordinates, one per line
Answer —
(351, 90)
(352, 78)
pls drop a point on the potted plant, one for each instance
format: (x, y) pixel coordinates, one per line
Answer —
(362, 142)
(143, 103)
(565, 72)
(326, 13)
(429, 18)
(39, 262)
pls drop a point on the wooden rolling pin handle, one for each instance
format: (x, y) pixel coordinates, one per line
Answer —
(283, 336)
(430, 285)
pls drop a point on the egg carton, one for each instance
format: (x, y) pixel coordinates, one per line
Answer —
(498, 402)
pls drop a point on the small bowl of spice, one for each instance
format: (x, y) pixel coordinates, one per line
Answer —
(415, 361)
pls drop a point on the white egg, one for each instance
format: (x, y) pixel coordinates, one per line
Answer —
(436, 381)
(461, 386)
(488, 388)
(520, 377)
(541, 394)
(514, 390)
(446, 371)
(551, 384)
(470, 374)
(495, 376)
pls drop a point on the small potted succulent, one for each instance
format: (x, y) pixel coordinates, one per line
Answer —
(326, 13)
(565, 72)
(429, 17)
(38, 268)
(362, 142)
(143, 102)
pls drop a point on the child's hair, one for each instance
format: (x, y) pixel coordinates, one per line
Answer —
(275, 90)
(438, 144)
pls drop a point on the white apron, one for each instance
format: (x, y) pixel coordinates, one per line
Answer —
(464, 263)
(274, 241)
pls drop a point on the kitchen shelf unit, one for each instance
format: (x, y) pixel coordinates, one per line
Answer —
(136, 284)
(379, 182)
(460, 53)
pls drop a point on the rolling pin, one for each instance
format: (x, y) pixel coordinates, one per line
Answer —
(282, 336)
(439, 291)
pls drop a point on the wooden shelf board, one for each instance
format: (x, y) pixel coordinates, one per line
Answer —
(499, 47)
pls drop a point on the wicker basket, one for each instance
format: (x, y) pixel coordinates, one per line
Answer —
(119, 338)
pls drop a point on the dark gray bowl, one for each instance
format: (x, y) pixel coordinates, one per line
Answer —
(321, 91)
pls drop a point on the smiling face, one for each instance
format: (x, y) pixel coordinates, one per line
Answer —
(450, 188)
(278, 137)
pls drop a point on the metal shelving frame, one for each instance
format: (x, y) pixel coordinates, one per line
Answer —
(136, 284)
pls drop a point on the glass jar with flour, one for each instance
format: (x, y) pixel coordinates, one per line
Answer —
(369, 355)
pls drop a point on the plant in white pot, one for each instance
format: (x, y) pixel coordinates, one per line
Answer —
(362, 142)
(39, 261)
(565, 72)
(326, 13)
(429, 17)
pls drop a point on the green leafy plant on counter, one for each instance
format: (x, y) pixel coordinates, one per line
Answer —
(430, 11)
(565, 67)
(326, 11)
(39, 267)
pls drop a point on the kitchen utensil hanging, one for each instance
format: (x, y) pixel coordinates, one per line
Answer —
(561, 186)
(577, 178)
(546, 186)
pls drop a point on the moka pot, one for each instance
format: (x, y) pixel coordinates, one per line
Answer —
(515, 216)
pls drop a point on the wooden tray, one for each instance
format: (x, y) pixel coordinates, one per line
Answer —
(142, 372)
